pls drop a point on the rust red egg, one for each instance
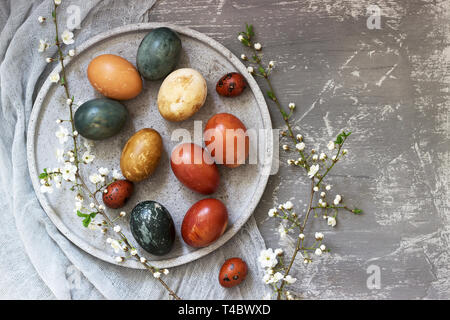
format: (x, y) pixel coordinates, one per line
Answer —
(118, 193)
(194, 167)
(233, 272)
(226, 139)
(231, 85)
(204, 223)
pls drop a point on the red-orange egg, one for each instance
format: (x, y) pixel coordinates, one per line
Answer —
(204, 223)
(193, 167)
(231, 85)
(233, 272)
(118, 193)
(225, 138)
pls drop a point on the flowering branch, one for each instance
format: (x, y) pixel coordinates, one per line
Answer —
(317, 167)
(72, 162)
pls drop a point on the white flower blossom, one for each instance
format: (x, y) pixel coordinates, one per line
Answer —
(272, 212)
(277, 277)
(292, 106)
(300, 146)
(48, 60)
(133, 252)
(157, 275)
(333, 158)
(331, 221)
(60, 155)
(278, 252)
(96, 178)
(101, 207)
(46, 188)
(57, 2)
(271, 64)
(54, 77)
(282, 231)
(67, 37)
(250, 70)
(78, 205)
(318, 236)
(240, 37)
(43, 45)
(290, 279)
(143, 260)
(315, 157)
(243, 57)
(328, 187)
(87, 158)
(119, 259)
(116, 246)
(68, 172)
(330, 145)
(299, 137)
(301, 236)
(267, 258)
(122, 214)
(103, 171)
(313, 170)
(318, 252)
(41, 19)
(323, 247)
(337, 199)
(116, 174)
(62, 134)
(322, 156)
(323, 194)
(71, 52)
(117, 229)
(257, 46)
(288, 205)
(165, 271)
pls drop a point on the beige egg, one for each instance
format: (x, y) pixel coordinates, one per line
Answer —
(182, 94)
(141, 155)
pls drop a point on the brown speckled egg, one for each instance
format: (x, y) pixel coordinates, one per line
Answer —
(118, 193)
(233, 272)
(231, 85)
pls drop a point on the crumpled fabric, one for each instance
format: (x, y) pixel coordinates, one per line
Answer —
(37, 261)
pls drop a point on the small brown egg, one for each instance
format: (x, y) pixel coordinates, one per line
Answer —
(118, 193)
(231, 85)
(233, 272)
(114, 77)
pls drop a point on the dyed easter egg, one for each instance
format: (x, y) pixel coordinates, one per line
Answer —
(231, 85)
(114, 77)
(225, 138)
(194, 168)
(158, 53)
(204, 223)
(181, 94)
(117, 193)
(152, 227)
(233, 272)
(99, 119)
(141, 155)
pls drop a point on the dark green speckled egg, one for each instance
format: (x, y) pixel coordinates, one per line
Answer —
(98, 119)
(158, 53)
(152, 227)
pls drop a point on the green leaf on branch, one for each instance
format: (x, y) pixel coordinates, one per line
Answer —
(262, 71)
(63, 81)
(82, 215)
(53, 13)
(86, 221)
(341, 137)
(271, 95)
(249, 29)
(357, 211)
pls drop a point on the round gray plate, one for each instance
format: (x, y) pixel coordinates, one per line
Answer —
(240, 188)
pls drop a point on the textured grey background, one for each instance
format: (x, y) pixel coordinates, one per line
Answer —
(390, 87)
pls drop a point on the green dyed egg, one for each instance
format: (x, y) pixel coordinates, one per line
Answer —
(158, 53)
(99, 119)
(152, 227)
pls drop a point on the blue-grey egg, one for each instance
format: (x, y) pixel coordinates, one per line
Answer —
(98, 119)
(152, 227)
(158, 53)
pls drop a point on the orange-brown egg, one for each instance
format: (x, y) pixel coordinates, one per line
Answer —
(114, 77)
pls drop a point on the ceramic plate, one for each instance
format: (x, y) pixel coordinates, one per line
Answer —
(240, 188)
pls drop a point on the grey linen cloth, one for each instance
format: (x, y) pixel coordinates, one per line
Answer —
(36, 260)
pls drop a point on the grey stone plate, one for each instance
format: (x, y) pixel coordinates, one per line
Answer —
(240, 188)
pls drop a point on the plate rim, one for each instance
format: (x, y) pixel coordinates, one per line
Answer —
(191, 256)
